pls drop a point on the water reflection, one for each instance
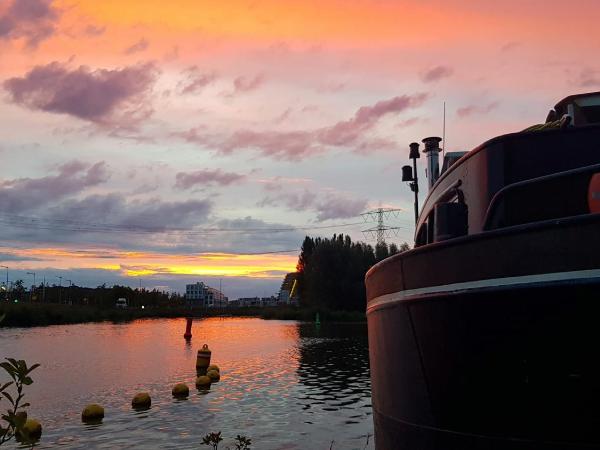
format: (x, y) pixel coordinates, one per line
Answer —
(285, 385)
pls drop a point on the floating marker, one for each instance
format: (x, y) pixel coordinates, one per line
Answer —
(30, 431)
(203, 358)
(141, 401)
(203, 381)
(188, 329)
(180, 390)
(214, 375)
(213, 367)
(92, 413)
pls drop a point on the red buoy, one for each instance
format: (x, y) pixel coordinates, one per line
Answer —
(188, 329)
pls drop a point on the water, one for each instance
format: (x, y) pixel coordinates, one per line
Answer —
(286, 385)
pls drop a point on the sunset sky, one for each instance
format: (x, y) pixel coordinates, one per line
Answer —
(190, 140)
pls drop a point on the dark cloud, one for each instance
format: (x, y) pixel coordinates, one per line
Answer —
(296, 145)
(469, 110)
(331, 205)
(139, 46)
(24, 194)
(5, 257)
(436, 73)
(186, 180)
(112, 98)
(195, 80)
(114, 209)
(32, 20)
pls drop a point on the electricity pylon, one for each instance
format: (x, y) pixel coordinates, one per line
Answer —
(381, 231)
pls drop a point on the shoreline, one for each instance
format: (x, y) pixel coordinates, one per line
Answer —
(36, 314)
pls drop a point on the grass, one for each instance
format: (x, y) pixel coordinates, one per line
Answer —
(32, 314)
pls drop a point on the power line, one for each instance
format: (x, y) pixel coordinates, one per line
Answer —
(60, 224)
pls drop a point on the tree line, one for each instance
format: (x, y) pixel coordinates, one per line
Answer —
(101, 296)
(331, 272)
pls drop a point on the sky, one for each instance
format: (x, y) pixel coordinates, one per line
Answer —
(161, 143)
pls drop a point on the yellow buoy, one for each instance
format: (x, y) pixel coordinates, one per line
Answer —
(213, 367)
(213, 375)
(31, 430)
(180, 390)
(203, 381)
(141, 400)
(92, 413)
(203, 358)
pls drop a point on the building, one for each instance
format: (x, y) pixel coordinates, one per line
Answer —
(288, 295)
(246, 302)
(201, 295)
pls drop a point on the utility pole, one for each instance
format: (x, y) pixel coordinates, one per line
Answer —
(381, 231)
(60, 290)
(6, 267)
(33, 288)
(44, 290)
(69, 291)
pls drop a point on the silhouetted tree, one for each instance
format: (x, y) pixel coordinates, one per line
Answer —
(331, 272)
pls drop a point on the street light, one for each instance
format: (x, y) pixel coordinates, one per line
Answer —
(69, 291)
(6, 267)
(31, 293)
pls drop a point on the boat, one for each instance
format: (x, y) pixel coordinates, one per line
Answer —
(486, 334)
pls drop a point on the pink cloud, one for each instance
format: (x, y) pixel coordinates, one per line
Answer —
(139, 46)
(299, 144)
(246, 84)
(589, 78)
(114, 98)
(195, 80)
(436, 73)
(469, 110)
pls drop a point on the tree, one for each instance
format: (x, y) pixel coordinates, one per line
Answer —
(331, 272)
(18, 290)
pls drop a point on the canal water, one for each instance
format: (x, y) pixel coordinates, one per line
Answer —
(285, 385)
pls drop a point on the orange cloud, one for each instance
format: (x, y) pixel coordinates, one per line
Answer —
(136, 264)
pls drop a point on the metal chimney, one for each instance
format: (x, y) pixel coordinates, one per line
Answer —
(432, 149)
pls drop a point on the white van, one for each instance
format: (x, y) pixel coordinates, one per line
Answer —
(121, 303)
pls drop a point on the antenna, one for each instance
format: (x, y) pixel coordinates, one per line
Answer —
(444, 135)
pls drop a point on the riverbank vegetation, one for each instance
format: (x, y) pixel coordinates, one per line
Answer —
(33, 314)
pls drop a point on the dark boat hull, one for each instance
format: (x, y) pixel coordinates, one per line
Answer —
(511, 362)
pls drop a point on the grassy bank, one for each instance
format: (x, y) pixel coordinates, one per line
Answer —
(30, 314)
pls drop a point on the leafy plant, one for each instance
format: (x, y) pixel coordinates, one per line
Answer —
(242, 443)
(212, 439)
(15, 416)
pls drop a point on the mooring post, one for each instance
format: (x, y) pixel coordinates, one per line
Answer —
(188, 329)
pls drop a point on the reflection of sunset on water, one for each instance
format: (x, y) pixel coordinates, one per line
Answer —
(282, 383)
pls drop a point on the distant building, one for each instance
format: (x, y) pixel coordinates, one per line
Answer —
(246, 302)
(288, 294)
(201, 295)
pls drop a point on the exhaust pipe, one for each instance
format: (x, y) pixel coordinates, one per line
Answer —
(432, 150)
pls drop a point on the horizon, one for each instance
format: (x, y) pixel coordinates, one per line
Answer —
(196, 142)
